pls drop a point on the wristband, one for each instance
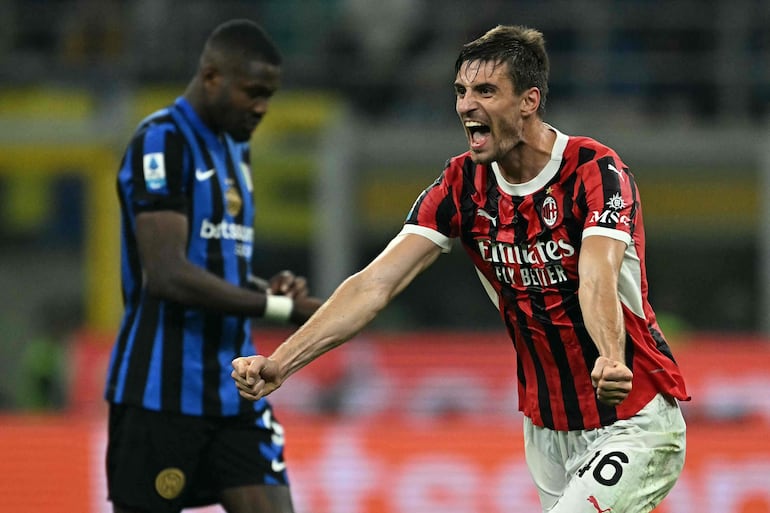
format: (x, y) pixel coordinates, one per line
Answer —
(278, 308)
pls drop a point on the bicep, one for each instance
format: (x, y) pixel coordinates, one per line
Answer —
(600, 259)
(401, 261)
(161, 238)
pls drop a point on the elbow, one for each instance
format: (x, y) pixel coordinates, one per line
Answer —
(161, 284)
(377, 292)
(598, 284)
(587, 289)
(598, 294)
(156, 286)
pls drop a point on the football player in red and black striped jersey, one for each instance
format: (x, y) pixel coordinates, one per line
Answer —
(553, 225)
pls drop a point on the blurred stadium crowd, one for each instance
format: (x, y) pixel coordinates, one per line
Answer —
(699, 59)
(681, 89)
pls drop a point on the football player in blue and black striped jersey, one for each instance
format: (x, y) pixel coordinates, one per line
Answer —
(178, 431)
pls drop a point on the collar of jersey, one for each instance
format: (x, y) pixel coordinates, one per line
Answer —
(197, 123)
(538, 182)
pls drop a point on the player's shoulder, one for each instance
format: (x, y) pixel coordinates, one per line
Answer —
(576, 143)
(584, 150)
(161, 120)
(161, 126)
(455, 166)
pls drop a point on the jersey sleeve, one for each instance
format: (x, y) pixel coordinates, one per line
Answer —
(154, 169)
(434, 214)
(611, 199)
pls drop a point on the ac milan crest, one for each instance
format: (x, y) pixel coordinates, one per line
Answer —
(550, 211)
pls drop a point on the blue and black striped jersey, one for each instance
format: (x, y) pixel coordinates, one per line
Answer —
(167, 356)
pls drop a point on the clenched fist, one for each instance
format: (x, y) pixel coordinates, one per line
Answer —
(612, 380)
(255, 376)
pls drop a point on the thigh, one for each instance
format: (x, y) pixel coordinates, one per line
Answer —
(152, 458)
(248, 450)
(257, 499)
(630, 466)
(247, 467)
(545, 456)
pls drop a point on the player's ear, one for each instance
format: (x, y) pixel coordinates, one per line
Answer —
(530, 101)
(210, 77)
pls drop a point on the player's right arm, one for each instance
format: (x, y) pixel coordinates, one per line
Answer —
(349, 309)
(161, 230)
(162, 241)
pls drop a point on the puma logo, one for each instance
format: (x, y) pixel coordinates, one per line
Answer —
(483, 213)
(595, 502)
(615, 170)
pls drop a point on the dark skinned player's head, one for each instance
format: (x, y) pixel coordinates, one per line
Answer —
(238, 72)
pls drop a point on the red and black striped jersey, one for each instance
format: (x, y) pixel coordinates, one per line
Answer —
(524, 240)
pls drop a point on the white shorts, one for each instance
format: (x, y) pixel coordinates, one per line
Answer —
(627, 467)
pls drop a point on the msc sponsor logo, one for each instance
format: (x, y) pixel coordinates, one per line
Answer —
(616, 202)
(609, 217)
(225, 230)
(612, 214)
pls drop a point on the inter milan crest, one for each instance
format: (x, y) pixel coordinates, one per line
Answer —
(550, 209)
(233, 201)
(169, 483)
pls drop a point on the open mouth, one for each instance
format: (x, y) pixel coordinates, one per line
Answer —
(478, 134)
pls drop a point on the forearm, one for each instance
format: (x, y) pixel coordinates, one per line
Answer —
(356, 302)
(599, 266)
(603, 317)
(162, 239)
(193, 286)
(349, 309)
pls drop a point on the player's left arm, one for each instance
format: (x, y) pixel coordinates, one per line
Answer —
(599, 265)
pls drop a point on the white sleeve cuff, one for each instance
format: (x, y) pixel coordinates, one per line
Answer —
(608, 232)
(438, 238)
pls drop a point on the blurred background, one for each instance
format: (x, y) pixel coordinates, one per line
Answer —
(364, 122)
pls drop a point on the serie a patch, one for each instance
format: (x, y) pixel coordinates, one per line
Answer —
(154, 171)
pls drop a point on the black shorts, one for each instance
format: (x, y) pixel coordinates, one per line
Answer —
(160, 461)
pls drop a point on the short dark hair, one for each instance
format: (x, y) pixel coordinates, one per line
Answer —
(522, 48)
(242, 38)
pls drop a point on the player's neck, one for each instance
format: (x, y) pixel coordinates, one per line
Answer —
(195, 97)
(530, 155)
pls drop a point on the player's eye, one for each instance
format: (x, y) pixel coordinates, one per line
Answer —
(486, 91)
(259, 92)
